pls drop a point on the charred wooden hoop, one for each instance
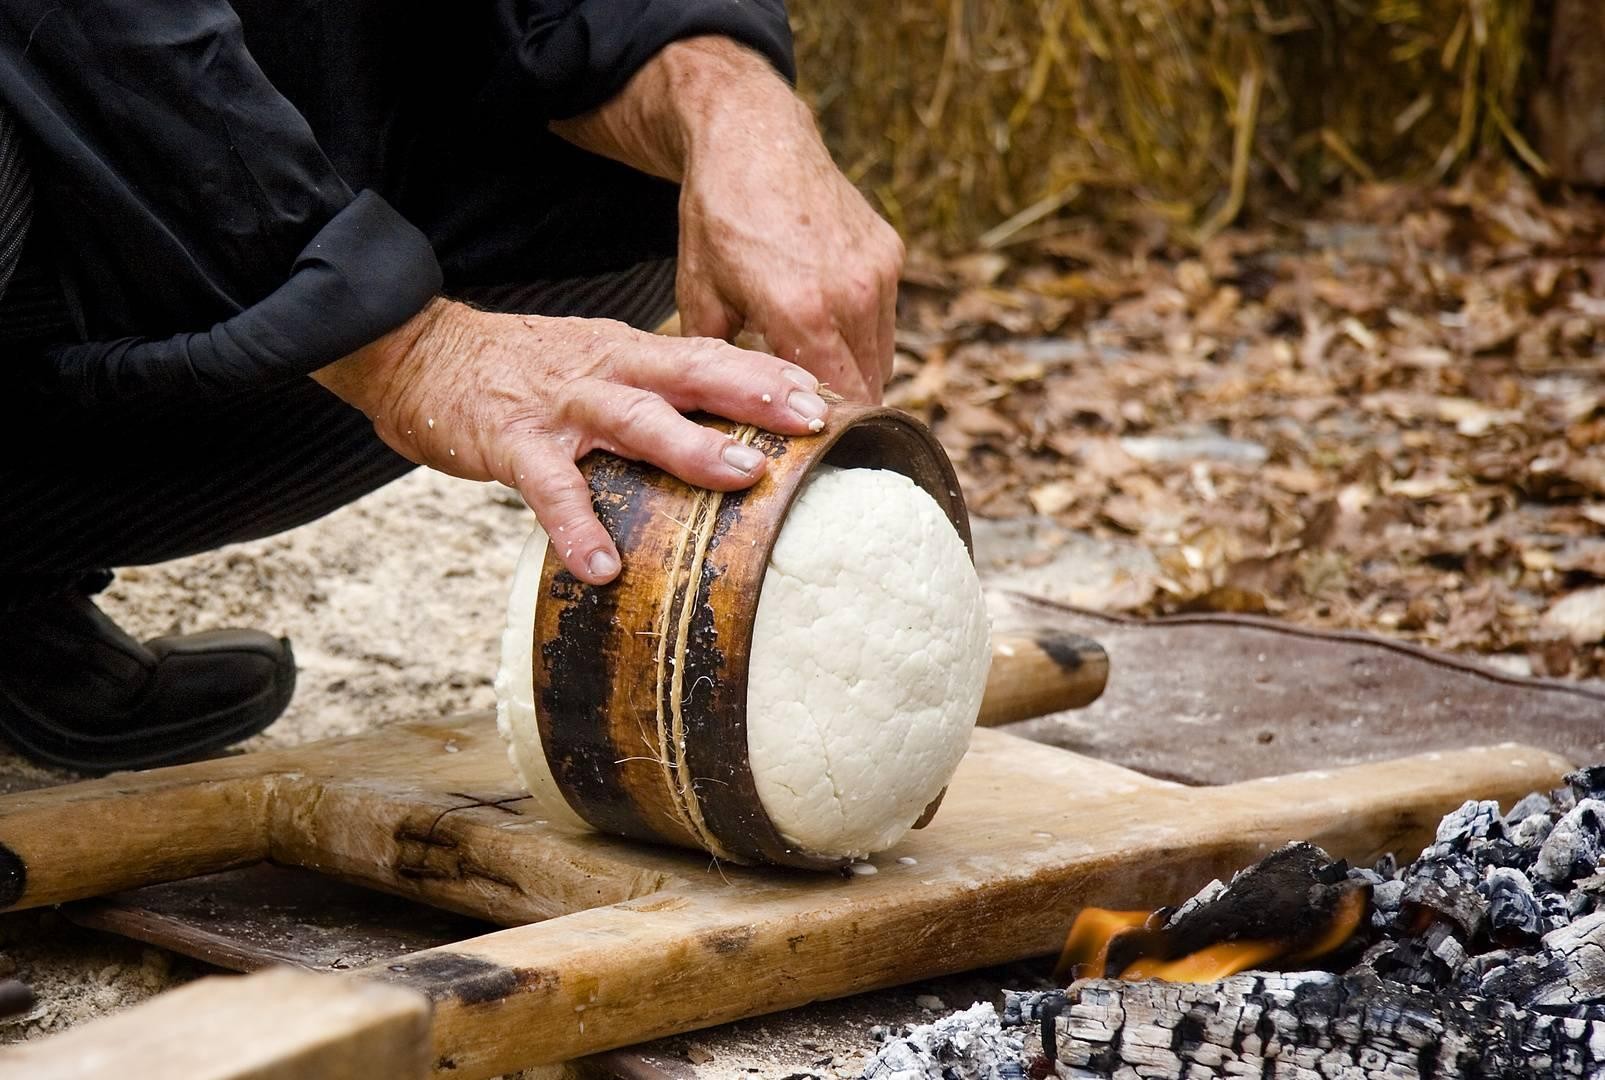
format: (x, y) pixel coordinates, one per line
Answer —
(641, 684)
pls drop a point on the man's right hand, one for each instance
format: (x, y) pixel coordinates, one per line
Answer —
(521, 398)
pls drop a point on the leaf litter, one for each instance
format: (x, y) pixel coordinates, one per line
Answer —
(1390, 417)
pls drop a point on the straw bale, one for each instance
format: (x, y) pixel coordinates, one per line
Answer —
(974, 120)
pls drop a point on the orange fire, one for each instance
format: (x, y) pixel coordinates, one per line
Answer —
(1097, 931)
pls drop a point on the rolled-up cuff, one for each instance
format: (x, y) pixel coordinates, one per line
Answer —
(365, 273)
(571, 65)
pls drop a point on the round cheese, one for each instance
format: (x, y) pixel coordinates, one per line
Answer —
(515, 686)
(869, 655)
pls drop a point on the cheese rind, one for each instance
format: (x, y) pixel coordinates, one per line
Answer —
(515, 686)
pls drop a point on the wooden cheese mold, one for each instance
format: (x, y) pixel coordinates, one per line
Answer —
(641, 684)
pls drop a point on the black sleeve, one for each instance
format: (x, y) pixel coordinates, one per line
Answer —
(565, 57)
(210, 243)
(365, 273)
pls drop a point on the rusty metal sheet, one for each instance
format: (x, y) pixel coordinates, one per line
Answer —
(1213, 699)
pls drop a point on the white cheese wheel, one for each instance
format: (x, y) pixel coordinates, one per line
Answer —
(869, 656)
(515, 686)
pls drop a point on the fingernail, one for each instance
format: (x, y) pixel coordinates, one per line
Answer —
(602, 564)
(810, 407)
(744, 459)
(799, 377)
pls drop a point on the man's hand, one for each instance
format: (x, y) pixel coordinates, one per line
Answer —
(521, 398)
(773, 239)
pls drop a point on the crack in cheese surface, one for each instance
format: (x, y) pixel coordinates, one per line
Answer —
(869, 656)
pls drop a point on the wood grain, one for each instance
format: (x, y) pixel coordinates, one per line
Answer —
(1042, 674)
(278, 1025)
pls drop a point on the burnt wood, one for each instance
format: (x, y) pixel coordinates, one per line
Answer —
(1315, 1025)
(641, 684)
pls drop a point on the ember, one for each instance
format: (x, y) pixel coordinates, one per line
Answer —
(1295, 907)
(1483, 958)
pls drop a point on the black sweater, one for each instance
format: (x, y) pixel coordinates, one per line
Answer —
(238, 194)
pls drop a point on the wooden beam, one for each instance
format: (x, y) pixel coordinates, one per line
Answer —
(277, 1025)
(685, 958)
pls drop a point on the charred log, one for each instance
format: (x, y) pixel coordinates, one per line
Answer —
(1313, 1025)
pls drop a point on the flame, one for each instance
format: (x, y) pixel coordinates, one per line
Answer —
(1096, 930)
(1209, 964)
(1086, 947)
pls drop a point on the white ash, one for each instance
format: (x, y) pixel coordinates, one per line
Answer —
(966, 1045)
(1207, 894)
(1574, 846)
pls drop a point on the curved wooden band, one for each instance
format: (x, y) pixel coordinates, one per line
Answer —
(694, 563)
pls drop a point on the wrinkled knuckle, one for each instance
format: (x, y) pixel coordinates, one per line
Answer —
(864, 289)
(636, 412)
(811, 311)
(704, 357)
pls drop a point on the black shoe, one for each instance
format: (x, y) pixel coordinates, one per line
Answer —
(78, 693)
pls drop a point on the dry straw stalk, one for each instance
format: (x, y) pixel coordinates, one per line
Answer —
(971, 121)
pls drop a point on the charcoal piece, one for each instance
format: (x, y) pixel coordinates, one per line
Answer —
(1367, 876)
(1446, 896)
(1579, 904)
(1582, 946)
(1593, 885)
(1474, 820)
(1295, 895)
(1430, 960)
(1208, 894)
(1575, 845)
(1568, 968)
(1023, 1007)
(1313, 1026)
(1587, 783)
(967, 1045)
(1528, 806)
(1388, 896)
(1505, 852)
(1552, 906)
(1513, 914)
(1531, 832)
(1479, 969)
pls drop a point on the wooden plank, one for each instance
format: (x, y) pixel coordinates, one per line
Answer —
(266, 915)
(987, 888)
(277, 1025)
(77, 840)
(426, 811)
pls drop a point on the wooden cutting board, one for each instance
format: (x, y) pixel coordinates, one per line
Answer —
(636, 942)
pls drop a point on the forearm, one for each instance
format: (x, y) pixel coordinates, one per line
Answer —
(691, 92)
